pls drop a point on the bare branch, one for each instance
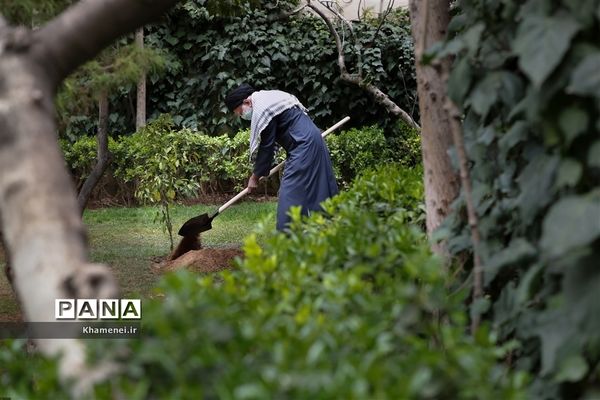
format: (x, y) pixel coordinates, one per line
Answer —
(85, 28)
(338, 42)
(472, 217)
(358, 80)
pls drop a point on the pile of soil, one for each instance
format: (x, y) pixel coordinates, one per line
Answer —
(189, 254)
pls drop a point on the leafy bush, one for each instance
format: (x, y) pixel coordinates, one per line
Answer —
(219, 164)
(357, 150)
(348, 305)
(524, 76)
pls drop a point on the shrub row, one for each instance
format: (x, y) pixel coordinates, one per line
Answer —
(220, 164)
(350, 305)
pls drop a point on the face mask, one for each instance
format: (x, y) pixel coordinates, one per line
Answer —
(247, 113)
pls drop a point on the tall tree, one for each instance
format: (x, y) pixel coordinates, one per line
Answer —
(41, 224)
(429, 22)
(140, 114)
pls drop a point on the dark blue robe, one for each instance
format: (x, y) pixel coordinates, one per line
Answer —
(308, 177)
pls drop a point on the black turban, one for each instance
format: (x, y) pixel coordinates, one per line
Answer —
(238, 95)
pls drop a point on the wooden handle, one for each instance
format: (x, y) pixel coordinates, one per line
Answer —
(233, 200)
(277, 168)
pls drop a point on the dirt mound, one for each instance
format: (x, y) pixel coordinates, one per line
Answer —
(190, 254)
(203, 260)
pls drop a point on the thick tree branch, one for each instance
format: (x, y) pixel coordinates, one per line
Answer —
(85, 28)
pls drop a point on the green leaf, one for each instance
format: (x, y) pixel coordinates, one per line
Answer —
(485, 95)
(573, 122)
(459, 81)
(569, 173)
(536, 183)
(517, 251)
(571, 223)
(593, 158)
(585, 79)
(572, 369)
(541, 44)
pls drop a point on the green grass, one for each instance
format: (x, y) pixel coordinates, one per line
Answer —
(129, 241)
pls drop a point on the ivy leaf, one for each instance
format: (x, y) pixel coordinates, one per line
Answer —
(554, 336)
(536, 182)
(572, 222)
(573, 122)
(542, 42)
(459, 81)
(585, 79)
(594, 155)
(516, 134)
(569, 173)
(518, 250)
(572, 369)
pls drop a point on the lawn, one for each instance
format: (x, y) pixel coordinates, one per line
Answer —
(129, 241)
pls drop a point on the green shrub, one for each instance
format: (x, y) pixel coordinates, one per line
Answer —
(405, 145)
(350, 304)
(357, 150)
(221, 164)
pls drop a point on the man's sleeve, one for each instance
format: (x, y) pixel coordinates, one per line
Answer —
(266, 150)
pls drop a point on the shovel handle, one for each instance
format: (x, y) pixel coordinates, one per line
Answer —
(233, 200)
(276, 168)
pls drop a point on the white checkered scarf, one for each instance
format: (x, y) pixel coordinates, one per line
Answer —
(267, 104)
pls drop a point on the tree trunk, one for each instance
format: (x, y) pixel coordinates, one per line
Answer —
(140, 115)
(104, 155)
(441, 181)
(41, 224)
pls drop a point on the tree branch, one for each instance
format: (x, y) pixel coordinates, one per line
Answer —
(85, 28)
(357, 79)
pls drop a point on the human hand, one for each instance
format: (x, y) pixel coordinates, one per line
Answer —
(252, 183)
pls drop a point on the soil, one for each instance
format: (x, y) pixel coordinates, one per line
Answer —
(189, 254)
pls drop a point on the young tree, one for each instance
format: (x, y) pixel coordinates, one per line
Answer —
(42, 228)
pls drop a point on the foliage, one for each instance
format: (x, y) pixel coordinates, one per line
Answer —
(213, 53)
(525, 74)
(221, 164)
(31, 13)
(158, 168)
(357, 150)
(25, 376)
(345, 306)
(118, 67)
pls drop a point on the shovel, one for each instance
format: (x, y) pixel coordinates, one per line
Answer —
(203, 222)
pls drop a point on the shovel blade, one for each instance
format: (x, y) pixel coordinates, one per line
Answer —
(196, 225)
